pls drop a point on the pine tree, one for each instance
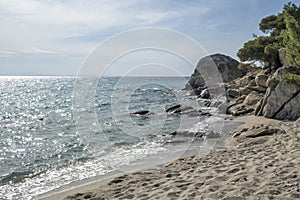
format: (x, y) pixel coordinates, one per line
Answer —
(281, 30)
(292, 35)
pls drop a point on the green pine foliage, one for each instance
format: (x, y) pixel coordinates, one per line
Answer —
(292, 78)
(281, 30)
(292, 36)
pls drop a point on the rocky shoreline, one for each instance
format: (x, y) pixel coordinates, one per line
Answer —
(272, 93)
(262, 156)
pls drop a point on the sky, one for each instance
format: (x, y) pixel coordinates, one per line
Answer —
(46, 37)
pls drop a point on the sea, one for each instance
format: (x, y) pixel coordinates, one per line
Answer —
(56, 131)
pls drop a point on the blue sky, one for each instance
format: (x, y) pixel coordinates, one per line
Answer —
(54, 37)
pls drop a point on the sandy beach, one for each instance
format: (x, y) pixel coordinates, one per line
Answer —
(147, 100)
(261, 162)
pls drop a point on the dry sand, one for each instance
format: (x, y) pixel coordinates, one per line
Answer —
(262, 162)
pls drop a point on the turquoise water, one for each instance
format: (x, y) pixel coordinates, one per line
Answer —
(47, 140)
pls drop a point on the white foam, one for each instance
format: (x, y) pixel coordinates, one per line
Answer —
(59, 177)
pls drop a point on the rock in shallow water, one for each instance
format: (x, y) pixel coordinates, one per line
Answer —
(205, 94)
(172, 108)
(140, 112)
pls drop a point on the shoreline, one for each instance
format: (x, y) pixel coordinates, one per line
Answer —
(135, 180)
(186, 150)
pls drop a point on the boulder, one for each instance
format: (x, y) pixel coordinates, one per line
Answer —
(183, 109)
(203, 113)
(252, 99)
(244, 91)
(188, 134)
(232, 93)
(245, 80)
(252, 83)
(197, 91)
(240, 109)
(291, 109)
(207, 103)
(282, 98)
(245, 104)
(261, 132)
(205, 94)
(180, 109)
(172, 108)
(140, 112)
(226, 65)
(212, 135)
(235, 102)
(257, 89)
(261, 80)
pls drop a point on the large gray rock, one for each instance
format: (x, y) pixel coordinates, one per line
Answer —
(245, 80)
(244, 91)
(232, 93)
(245, 104)
(252, 99)
(282, 99)
(226, 66)
(261, 80)
(291, 109)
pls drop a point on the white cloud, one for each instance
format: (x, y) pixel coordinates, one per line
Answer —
(77, 17)
(44, 27)
(58, 16)
(30, 50)
(36, 50)
(3, 52)
(44, 24)
(153, 17)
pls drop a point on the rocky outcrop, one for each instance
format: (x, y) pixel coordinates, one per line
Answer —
(265, 93)
(261, 80)
(282, 98)
(244, 93)
(261, 91)
(226, 66)
(245, 104)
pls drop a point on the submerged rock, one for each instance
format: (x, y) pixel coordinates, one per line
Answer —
(141, 112)
(182, 109)
(173, 108)
(188, 134)
(205, 94)
(213, 134)
(179, 109)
